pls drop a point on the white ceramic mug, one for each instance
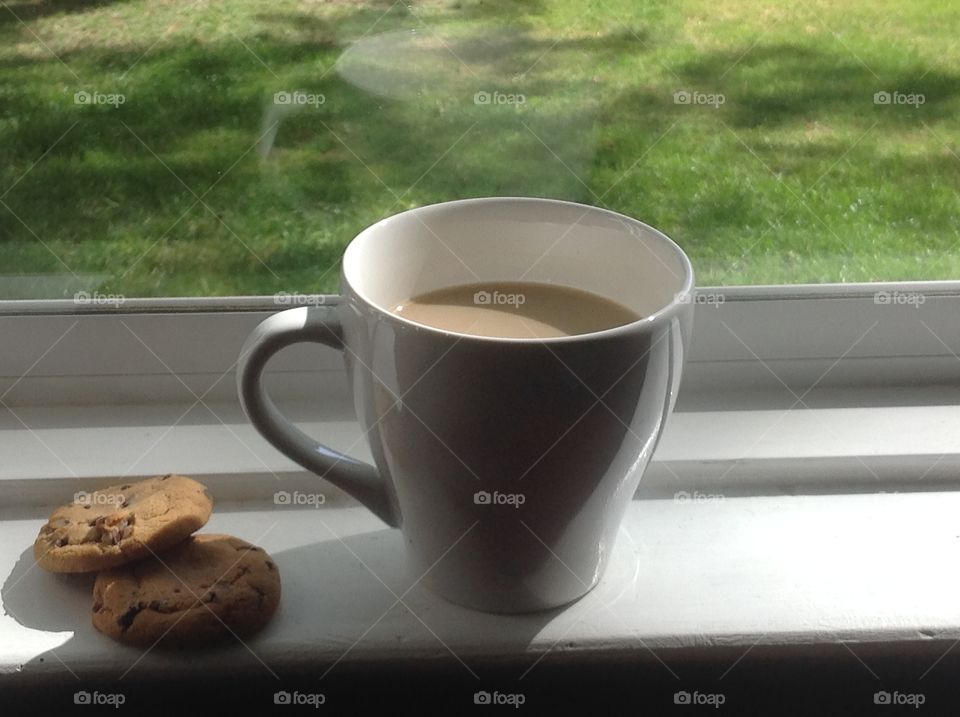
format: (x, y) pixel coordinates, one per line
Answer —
(507, 463)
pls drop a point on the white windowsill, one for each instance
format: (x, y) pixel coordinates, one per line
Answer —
(820, 505)
(781, 570)
(800, 571)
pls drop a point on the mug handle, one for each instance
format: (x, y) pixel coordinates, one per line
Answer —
(317, 324)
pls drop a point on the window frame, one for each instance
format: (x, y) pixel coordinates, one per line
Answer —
(873, 385)
(839, 336)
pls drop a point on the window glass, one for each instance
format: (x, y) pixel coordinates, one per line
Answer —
(163, 148)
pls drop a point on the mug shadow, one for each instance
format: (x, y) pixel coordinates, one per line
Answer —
(337, 595)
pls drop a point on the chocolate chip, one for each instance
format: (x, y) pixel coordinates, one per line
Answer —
(126, 620)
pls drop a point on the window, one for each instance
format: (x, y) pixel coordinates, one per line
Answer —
(171, 174)
(155, 149)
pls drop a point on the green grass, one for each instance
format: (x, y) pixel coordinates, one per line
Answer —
(797, 177)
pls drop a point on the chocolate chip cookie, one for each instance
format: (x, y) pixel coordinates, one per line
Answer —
(122, 523)
(207, 588)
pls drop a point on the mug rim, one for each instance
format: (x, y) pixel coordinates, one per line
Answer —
(680, 298)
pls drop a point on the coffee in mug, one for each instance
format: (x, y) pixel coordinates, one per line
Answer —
(516, 309)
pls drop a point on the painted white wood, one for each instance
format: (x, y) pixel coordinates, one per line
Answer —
(58, 450)
(736, 572)
(705, 558)
(798, 333)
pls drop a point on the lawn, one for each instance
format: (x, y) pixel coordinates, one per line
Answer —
(145, 150)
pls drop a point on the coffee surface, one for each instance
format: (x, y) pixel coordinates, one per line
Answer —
(519, 309)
